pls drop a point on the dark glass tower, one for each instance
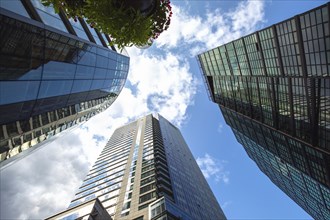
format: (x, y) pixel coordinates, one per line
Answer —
(146, 171)
(55, 73)
(273, 89)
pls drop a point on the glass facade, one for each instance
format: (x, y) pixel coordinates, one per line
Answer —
(136, 173)
(51, 76)
(273, 89)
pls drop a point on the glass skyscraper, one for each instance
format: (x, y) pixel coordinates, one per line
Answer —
(54, 73)
(273, 89)
(146, 171)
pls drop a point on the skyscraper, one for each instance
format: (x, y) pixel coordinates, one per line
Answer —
(273, 89)
(55, 73)
(146, 171)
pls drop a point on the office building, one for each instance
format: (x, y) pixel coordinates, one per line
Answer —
(273, 89)
(55, 72)
(146, 171)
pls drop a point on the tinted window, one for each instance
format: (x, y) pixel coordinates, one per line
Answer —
(59, 70)
(32, 74)
(78, 29)
(81, 85)
(84, 72)
(55, 88)
(49, 16)
(97, 84)
(14, 6)
(100, 73)
(87, 59)
(11, 92)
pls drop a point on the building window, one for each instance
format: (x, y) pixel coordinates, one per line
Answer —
(12, 129)
(15, 6)
(49, 16)
(147, 197)
(78, 29)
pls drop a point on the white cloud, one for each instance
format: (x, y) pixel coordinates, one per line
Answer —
(220, 128)
(247, 15)
(226, 204)
(42, 184)
(163, 83)
(213, 168)
(198, 34)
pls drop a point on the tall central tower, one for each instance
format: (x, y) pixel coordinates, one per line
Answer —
(146, 171)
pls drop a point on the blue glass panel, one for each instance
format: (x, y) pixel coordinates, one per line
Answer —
(112, 55)
(52, 20)
(102, 52)
(117, 73)
(32, 74)
(78, 29)
(74, 203)
(90, 197)
(55, 88)
(92, 49)
(120, 66)
(84, 72)
(49, 16)
(39, 5)
(100, 73)
(107, 83)
(81, 85)
(88, 59)
(14, 6)
(110, 74)
(80, 33)
(126, 60)
(112, 64)
(59, 70)
(95, 36)
(17, 91)
(71, 217)
(102, 61)
(97, 84)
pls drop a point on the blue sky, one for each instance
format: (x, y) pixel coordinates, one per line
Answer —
(165, 78)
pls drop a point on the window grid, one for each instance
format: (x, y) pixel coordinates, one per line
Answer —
(290, 52)
(315, 33)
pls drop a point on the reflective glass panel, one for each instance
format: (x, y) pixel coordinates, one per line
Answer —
(78, 29)
(14, 6)
(59, 70)
(81, 85)
(84, 72)
(17, 91)
(49, 16)
(55, 88)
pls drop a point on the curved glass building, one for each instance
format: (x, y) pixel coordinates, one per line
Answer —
(54, 73)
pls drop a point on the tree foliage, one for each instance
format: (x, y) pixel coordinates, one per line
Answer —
(125, 25)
